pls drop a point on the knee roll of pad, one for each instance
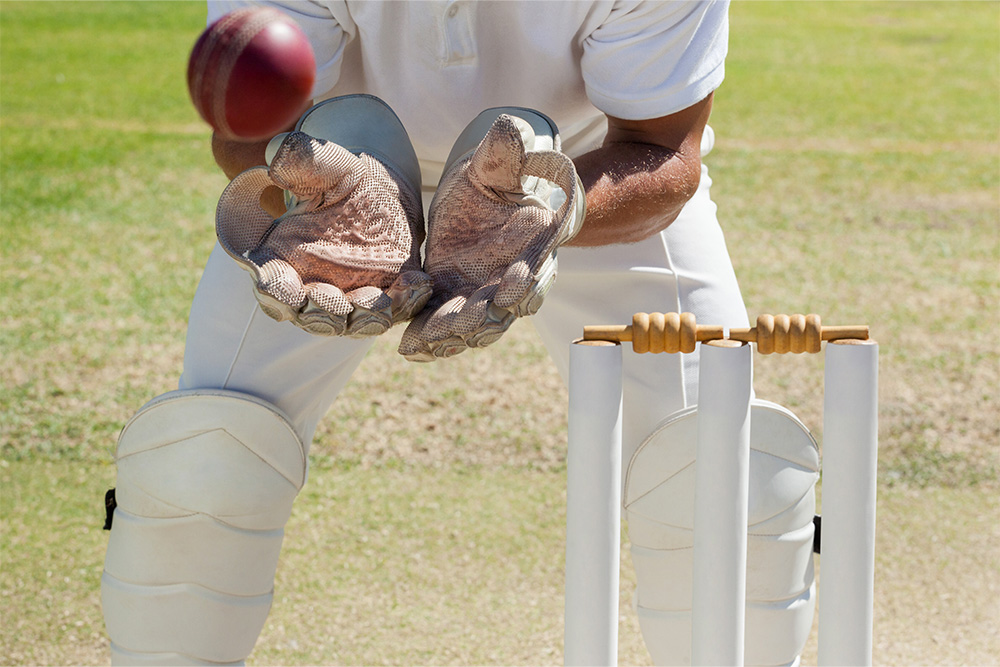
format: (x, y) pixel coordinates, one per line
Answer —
(659, 508)
(206, 482)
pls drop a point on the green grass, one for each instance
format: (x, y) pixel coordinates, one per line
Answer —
(851, 71)
(857, 171)
(858, 166)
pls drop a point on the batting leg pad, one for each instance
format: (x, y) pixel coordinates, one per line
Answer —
(206, 481)
(659, 506)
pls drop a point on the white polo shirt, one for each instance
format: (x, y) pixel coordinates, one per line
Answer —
(438, 63)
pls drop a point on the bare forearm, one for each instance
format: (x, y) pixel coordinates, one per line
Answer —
(633, 191)
(638, 181)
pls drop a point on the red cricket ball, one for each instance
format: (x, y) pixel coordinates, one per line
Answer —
(251, 73)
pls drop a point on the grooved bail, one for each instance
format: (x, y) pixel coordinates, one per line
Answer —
(679, 332)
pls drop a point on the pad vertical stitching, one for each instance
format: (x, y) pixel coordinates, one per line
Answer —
(243, 337)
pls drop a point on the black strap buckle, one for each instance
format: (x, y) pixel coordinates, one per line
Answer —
(109, 508)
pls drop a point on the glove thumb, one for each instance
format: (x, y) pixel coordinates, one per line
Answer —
(498, 162)
(309, 167)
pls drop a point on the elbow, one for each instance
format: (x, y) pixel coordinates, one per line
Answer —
(690, 177)
(633, 202)
(680, 187)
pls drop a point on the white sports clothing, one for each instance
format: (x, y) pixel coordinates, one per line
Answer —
(438, 65)
(232, 345)
(573, 62)
(441, 62)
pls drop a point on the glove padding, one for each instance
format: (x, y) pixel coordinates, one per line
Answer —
(492, 237)
(345, 258)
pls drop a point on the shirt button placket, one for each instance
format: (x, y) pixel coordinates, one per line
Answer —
(460, 45)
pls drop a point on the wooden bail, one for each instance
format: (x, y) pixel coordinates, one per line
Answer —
(781, 334)
(679, 332)
(657, 332)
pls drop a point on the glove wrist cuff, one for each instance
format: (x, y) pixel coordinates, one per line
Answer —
(360, 124)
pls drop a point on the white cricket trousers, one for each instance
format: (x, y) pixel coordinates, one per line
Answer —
(232, 345)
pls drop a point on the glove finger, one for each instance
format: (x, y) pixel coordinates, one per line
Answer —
(412, 344)
(544, 279)
(280, 280)
(440, 321)
(431, 334)
(480, 322)
(409, 294)
(370, 297)
(423, 343)
(278, 289)
(370, 312)
(496, 321)
(470, 318)
(364, 323)
(514, 285)
(475, 313)
(325, 312)
(522, 290)
(521, 276)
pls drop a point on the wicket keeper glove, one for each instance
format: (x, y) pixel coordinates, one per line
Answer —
(501, 210)
(345, 258)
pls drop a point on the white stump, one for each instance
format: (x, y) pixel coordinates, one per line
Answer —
(593, 503)
(720, 504)
(850, 451)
